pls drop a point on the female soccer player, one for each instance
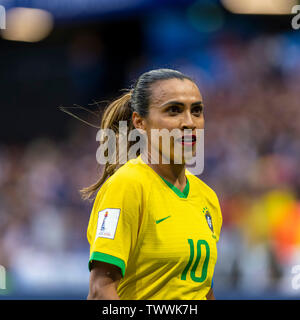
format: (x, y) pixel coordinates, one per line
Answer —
(153, 229)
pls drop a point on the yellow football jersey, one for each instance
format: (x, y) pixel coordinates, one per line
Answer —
(163, 240)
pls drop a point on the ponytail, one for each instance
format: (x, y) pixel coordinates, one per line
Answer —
(118, 110)
(137, 99)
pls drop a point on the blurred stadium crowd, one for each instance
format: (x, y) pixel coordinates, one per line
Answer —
(251, 96)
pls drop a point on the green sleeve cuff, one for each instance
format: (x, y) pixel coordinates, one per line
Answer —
(99, 256)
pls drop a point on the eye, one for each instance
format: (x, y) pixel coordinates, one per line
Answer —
(174, 109)
(197, 110)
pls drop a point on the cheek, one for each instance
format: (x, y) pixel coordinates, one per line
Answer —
(168, 123)
(200, 123)
(158, 121)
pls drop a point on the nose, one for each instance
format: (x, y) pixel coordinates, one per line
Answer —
(187, 122)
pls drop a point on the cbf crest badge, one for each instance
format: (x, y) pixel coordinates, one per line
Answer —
(208, 219)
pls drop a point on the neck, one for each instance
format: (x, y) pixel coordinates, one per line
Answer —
(174, 173)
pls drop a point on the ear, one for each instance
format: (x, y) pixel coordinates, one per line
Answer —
(138, 121)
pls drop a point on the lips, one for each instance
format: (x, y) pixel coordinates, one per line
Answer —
(188, 140)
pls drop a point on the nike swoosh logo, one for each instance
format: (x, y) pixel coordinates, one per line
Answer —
(161, 220)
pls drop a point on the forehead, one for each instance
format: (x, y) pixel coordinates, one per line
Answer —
(184, 91)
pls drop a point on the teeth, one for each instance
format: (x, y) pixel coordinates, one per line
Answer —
(187, 139)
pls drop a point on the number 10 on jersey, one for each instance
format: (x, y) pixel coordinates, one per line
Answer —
(192, 269)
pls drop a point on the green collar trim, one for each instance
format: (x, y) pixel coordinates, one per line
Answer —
(181, 194)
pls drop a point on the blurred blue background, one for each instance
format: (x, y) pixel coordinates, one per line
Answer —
(81, 52)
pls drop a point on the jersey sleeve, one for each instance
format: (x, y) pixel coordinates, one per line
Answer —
(114, 222)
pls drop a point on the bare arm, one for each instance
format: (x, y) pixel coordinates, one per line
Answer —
(210, 295)
(104, 280)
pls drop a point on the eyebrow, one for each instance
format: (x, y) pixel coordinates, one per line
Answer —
(182, 104)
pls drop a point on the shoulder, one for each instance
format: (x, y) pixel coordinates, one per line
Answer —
(124, 189)
(211, 199)
(129, 180)
(203, 188)
(131, 173)
(206, 192)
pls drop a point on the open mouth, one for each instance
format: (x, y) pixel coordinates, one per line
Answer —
(188, 140)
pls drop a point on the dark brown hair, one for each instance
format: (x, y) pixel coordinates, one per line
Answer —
(137, 99)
